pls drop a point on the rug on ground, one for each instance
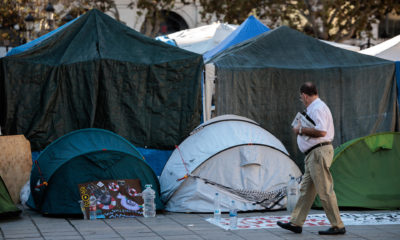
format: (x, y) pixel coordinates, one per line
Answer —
(312, 220)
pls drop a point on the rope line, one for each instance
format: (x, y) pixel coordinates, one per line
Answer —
(44, 183)
(184, 164)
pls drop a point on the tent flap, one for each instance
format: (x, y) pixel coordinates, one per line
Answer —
(379, 142)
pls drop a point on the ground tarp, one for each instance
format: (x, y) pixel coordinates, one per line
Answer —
(260, 79)
(99, 73)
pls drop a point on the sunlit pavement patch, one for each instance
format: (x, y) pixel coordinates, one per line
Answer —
(312, 220)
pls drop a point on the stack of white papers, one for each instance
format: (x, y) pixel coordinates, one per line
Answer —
(305, 123)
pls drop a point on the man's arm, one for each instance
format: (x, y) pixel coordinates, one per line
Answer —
(312, 132)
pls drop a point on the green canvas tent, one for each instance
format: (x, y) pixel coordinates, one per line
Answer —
(7, 206)
(82, 156)
(365, 172)
(99, 73)
(260, 79)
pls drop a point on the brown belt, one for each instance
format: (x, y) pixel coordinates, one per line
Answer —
(316, 146)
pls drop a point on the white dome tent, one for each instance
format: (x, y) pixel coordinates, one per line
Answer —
(230, 155)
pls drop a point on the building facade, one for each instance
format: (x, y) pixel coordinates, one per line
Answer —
(181, 17)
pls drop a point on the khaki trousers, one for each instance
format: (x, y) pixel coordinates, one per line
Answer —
(317, 179)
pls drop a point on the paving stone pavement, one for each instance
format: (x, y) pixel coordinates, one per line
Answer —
(186, 226)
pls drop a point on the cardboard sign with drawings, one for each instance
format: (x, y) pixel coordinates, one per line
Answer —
(115, 198)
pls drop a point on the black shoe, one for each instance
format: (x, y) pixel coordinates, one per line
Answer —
(333, 231)
(290, 226)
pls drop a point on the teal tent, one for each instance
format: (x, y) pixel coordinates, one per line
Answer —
(260, 79)
(83, 156)
(99, 73)
(365, 172)
(7, 206)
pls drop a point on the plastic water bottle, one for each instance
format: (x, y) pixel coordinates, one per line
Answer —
(292, 194)
(233, 216)
(92, 207)
(149, 207)
(217, 208)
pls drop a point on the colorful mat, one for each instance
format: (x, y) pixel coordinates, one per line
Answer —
(312, 220)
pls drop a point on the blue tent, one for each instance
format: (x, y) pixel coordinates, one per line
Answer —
(248, 29)
(83, 156)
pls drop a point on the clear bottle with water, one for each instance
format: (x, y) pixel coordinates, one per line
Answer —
(233, 219)
(149, 206)
(292, 194)
(92, 207)
(217, 208)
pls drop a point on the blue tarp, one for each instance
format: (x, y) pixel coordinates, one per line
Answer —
(155, 158)
(248, 29)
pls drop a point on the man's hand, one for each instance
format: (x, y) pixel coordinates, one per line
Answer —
(297, 127)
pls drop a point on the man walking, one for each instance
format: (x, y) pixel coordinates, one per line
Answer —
(315, 143)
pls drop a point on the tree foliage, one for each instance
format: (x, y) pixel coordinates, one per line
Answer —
(334, 20)
(13, 13)
(12, 24)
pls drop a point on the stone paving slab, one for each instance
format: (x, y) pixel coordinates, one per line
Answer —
(168, 226)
